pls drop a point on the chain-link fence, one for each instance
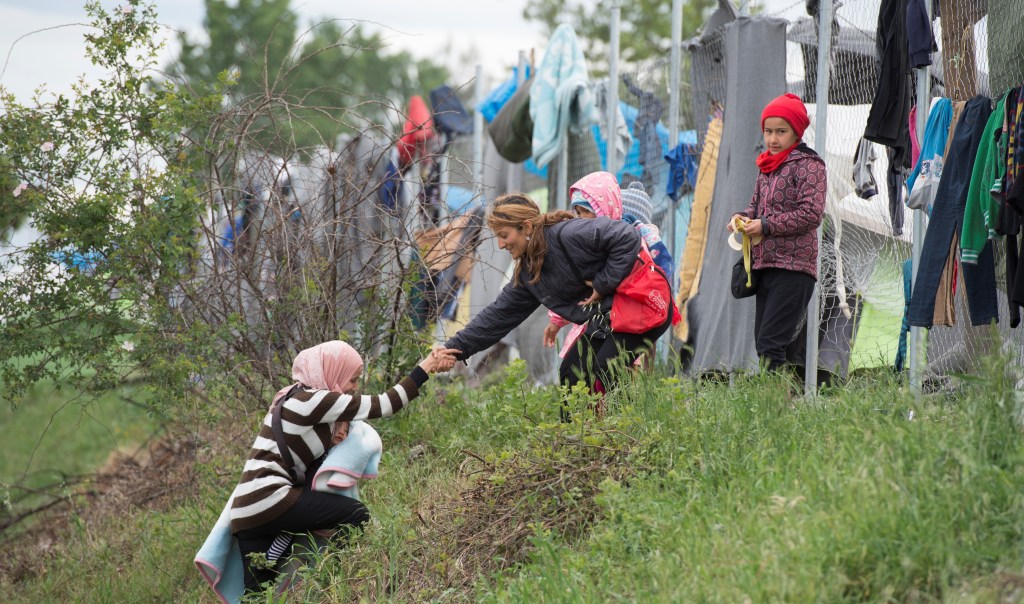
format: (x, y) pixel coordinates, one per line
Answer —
(868, 231)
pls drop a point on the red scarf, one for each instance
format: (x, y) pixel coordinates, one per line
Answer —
(769, 163)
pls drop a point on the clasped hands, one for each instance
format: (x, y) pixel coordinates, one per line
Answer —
(440, 360)
(594, 296)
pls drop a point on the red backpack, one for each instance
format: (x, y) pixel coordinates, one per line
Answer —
(643, 298)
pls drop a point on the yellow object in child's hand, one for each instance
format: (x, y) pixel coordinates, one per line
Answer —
(738, 222)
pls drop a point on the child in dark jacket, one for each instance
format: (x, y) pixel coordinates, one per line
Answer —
(782, 220)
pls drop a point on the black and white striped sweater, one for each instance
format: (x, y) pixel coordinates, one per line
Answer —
(265, 490)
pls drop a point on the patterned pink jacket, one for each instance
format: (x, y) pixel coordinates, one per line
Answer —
(790, 203)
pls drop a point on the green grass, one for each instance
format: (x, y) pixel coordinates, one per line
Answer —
(60, 430)
(724, 494)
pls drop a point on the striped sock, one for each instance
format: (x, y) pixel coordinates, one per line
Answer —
(279, 548)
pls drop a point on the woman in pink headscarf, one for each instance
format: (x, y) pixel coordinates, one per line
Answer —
(267, 501)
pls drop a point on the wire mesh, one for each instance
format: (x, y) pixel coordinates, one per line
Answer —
(867, 236)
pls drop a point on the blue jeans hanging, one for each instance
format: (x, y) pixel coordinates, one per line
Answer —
(946, 222)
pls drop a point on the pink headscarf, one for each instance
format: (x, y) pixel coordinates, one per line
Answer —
(602, 191)
(327, 366)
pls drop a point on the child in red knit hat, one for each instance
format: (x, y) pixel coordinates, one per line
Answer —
(782, 220)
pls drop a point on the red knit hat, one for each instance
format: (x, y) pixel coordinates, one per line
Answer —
(790, 108)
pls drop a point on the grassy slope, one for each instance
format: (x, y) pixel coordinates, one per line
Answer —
(56, 430)
(732, 494)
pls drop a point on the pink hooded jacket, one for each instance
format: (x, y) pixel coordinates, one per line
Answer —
(602, 191)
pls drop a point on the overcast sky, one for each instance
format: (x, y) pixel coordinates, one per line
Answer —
(41, 40)
(50, 49)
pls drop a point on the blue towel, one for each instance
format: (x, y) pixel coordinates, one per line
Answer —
(560, 99)
(353, 458)
(219, 560)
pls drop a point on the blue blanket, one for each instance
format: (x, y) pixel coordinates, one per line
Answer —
(561, 98)
(219, 560)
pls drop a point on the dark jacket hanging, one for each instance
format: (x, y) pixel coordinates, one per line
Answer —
(888, 120)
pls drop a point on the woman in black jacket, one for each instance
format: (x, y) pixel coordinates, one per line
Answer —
(570, 266)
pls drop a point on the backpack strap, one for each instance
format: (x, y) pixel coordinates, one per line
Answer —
(297, 475)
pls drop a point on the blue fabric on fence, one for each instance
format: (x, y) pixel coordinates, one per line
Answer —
(901, 351)
(632, 164)
(497, 98)
(682, 169)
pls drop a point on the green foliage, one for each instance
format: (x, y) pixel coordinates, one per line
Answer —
(763, 498)
(331, 78)
(105, 168)
(684, 492)
(13, 211)
(646, 26)
(128, 182)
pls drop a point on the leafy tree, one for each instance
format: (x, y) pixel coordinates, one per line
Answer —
(103, 171)
(13, 211)
(128, 183)
(330, 79)
(645, 27)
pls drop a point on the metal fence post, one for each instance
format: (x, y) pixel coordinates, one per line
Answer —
(820, 142)
(478, 134)
(611, 156)
(916, 354)
(673, 140)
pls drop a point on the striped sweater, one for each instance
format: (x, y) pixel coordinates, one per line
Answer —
(265, 490)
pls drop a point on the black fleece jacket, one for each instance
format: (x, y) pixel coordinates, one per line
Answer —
(604, 251)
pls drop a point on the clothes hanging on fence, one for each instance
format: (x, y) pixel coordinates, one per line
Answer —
(924, 178)
(915, 147)
(981, 210)
(946, 218)
(1010, 192)
(887, 120)
(863, 176)
(682, 170)
(450, 116)
(645, 128)
(623, 139)
(511, 129)
(920, 38)
(447, 255)
(497, 98)
(894, 183)
(419, 128)
(560, 100)
(901, 346)
(697, 235)
(945, 309)
(390, 192)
